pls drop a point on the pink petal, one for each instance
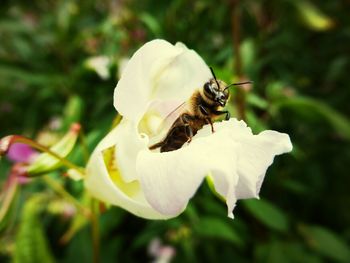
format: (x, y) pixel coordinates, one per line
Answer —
(20, 152)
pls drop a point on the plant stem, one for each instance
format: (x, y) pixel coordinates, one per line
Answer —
(6, 142)
(61, 191)
(95, 230)
(9, 194)
(237, 66)
(84, 145)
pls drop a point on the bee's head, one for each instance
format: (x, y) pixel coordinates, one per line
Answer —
(215, 91)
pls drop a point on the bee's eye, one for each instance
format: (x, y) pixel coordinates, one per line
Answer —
(208, 88)
(226, 93)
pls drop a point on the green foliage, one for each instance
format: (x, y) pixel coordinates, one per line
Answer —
(312, 16)
(31, 242)
(297, 54)
(72, 111)
(267, 214)
(289, 252)
(307, 106)
(216, 228)
(326, 243)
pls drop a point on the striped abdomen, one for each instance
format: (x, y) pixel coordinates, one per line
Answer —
(178, 134)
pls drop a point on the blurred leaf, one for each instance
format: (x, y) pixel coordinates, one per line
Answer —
(337, 120)
(270, 253)
(255, 123)
(151, 23)
(338, 67)
(295, 187)
(91, 140)
(210, 181)
(64, 14)
(31, 243)
(45, 162)
(212, 227)
(313, 16)
(72, 111)
(31, 78)
(79, 221)
(256, 101)
(80, 247)
(110, 220)
(296, 252)
(274, 90)
(326, 242)
(267, 214)
(248, 53)
(191, 212)
(7, 200)
(287, 252)
(151, 231)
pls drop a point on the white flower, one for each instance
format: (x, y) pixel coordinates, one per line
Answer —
(99, 64)
(124, 172)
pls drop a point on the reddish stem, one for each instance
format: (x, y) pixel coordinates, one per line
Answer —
(237, 66)
(6, 142)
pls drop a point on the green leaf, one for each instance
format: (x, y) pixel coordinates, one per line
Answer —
(295, 187)
(270, 252)
(326, 242)
(257, 101)
(337, 120)
(151, 23)
(248, 53)
(254, 122)
(277, 251)
(45, 162)
(212, 227)
(267, 214)
(72, 111)
(31, 243)
(7, 198)
(313, 17)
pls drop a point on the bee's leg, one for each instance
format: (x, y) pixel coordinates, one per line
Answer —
(205, 112)
(227, 116)
(189, 133)
(166, 142)
(156, 145)
(188, 129)
(211, 125)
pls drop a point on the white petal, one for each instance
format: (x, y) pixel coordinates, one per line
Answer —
(158, 70)
(170, 179)
(255, 156)
(179, 78)
(131, 96)
(128, 143)
(100, 64)
(236, 159)
(111, 187)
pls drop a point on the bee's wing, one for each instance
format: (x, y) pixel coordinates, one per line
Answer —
(172, 116)
(175, 113)
(168, 121)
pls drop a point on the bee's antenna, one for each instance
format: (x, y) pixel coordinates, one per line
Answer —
(212, 72)
(238, 83)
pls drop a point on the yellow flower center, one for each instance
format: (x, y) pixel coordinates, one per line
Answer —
(130, 189)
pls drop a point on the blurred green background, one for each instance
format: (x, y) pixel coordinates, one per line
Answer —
(59, 63)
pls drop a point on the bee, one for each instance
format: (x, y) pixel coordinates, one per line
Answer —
(203, 107)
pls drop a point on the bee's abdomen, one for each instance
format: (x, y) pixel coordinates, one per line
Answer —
(175, 139)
